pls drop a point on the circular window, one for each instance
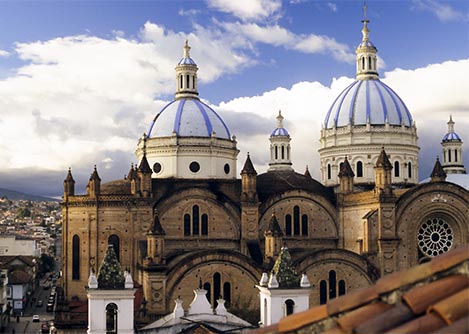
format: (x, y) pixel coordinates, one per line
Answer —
(435, 237)
(227, 169)
(157, 167)
(194, 167)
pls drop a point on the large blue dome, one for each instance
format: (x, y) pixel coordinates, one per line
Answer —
(188, 117)
(367, 101)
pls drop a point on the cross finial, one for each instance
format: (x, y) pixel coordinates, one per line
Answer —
(187, 48)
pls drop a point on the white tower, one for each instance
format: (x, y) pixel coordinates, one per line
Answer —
(187, 138)
(280, 147)
(366, 116)
(110, 298)
(284, 292)
(451, 144)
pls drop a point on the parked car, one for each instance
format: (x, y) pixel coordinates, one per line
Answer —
(35, 318)
(39, 303)
(45, 327)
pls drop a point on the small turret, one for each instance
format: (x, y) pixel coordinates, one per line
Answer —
(273, 239)
(248, 181)
(383, 170)
(94, 184)
(307, 173)
(186, 75)
(366, 54)
(134, 180)
(438, 173)
(155, 240)
(451, 144)
(69, 185)
(144, 174)
(346, 176)
(280, 158)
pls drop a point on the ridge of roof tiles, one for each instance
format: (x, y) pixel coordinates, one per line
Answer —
(429, 298)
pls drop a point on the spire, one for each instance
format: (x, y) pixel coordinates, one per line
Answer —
(366, 54)
(69, 184)
(307, 173)
(131, 175)
(69, 177)
(346, 169)
(110, 275)
(186, 75)
(144, 166)
(274, 227)
(383, 160)
(438, 173)
(248, 167)
(156, 228)
(94, 176)
(279, 120)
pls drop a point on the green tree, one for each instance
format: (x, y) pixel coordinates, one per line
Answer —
(46, 263)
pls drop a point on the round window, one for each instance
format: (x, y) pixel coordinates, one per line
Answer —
(157, 167)
(435, 237)
(227, 169)
(194, 167)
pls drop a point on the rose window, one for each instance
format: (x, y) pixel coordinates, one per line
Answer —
(435, 237)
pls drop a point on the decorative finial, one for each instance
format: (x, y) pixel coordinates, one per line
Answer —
(187, 48)
(364, 12)
(365, 21)
(280, 120)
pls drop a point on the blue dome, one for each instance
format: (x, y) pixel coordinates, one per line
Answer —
(188, 117)
(279, 132)
(187, 61)
(368, 101)
(451, 136)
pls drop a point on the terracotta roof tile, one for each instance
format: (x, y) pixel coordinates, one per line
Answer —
(454, 307)
(335, 330)
(398, 279)
(301, 319)
(420, 298)
(458, 327)
(266, 330)
(423, 324)
(352, 319)
(450, 259)
(387, 320)
(352, 300)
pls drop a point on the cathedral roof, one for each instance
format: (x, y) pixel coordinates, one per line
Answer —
(277, 182)
(116, 187)
(367, 102)
(188, 117)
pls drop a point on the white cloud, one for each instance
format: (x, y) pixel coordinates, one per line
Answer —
(431, 94)
(247, 9)
(444, 12)
(332, 6)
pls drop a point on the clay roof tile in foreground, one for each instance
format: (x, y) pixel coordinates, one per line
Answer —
(428, 298)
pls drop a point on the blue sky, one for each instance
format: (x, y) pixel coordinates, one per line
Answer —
(80, 81)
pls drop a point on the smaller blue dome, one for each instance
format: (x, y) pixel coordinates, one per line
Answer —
(188, 117)
(187, 61)
(451, 136)
(366, 43)
(279, 132)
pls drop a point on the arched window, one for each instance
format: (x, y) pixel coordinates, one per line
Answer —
(265, 312)
(111, 318)
(76, 257)
(363, 63)
(329, 173)
(195, 223)
(455, 155)
(409, 170)
(304, 225)
(187, 81)
(322, 292)
(332, 284)
(289, 307)
(288, 224)
(276, 152)
(359, 169)
(296, 220)
(180, 81)
(369, 63)
(227, 293)
(449, 155)
(216, 288)
(283, 152)
(204, 224)
(187, 224)
(207, 288)
(341, 287)
(396, 169)
(114, 241)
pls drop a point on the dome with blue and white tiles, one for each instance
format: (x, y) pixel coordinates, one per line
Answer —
(451, 136)
(368, 102)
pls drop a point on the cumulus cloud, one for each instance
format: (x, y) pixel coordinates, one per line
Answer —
(431, 93)
(247, 9)
(443, 11)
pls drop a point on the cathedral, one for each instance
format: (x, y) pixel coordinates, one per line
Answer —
(182, 218)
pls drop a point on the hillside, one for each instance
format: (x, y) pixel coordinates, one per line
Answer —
(15, 195)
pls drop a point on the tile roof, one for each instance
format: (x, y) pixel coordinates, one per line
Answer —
(429, 298)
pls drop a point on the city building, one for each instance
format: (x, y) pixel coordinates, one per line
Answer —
(182, 218)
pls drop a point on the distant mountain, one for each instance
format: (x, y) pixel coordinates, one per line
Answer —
(15, 195)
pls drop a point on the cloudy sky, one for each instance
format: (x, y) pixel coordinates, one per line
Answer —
(80, 81)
